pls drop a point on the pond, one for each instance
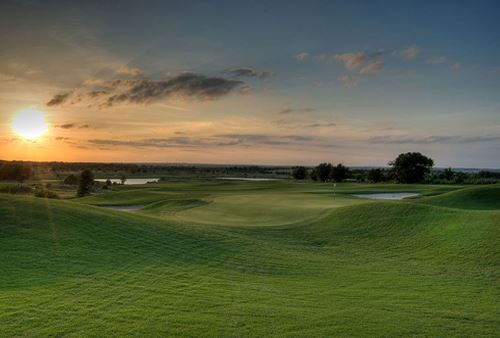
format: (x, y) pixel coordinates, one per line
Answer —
(388, 195)
(124, 207)
(130, 181)
(254, 179)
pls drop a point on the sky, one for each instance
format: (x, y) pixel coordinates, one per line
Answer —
(252, 82)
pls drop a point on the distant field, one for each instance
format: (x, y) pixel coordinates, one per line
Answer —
(228, 258)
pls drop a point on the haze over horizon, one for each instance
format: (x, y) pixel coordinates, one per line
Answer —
(283, 83)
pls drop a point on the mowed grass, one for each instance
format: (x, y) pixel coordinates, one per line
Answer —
(479, 198)
(246, 203)
(284, 259)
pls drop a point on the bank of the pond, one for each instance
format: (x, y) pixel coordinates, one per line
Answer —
(130, 181)
(388, 196)
(124, 207)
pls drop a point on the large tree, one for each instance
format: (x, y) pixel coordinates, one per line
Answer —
(323, 171)
(299, 173)
(85, 183)
(339, 173)
(375, 175)
(411, 167)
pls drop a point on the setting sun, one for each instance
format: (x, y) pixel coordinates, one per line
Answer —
(30, 124)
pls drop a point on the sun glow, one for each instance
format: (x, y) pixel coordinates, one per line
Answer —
(30, 124)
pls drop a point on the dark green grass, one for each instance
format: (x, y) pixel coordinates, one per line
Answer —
(478, 198)
(387, 269)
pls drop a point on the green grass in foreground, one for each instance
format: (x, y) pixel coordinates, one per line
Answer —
(252, 259)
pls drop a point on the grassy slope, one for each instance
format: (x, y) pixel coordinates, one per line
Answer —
(375, 269)
(478, 198)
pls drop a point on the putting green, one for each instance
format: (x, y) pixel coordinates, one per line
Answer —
(264, 209)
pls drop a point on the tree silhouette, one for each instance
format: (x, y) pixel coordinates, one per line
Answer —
(85, 183)
(411, 167)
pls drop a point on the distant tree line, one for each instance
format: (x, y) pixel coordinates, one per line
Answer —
(16, 171)
(116, 170)
(450, 176)
(406, 168)
(411, 167)
(323, 172)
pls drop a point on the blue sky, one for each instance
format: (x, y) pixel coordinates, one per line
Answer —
(275, 82)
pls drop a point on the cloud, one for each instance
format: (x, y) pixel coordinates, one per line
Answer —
(22, 69)
(437, 60)
(127, 70)
(59, 99)
(143, 143)
(255, 138)
(17, 72)
(66, 126)
(456, 66)
(211, 141)
(282, 122)
(372, 67)
(301, 56)
(169, 142)
(349, 81)
(97, 93)
(188, 85)
(72, 126)
(352, 60)
(433, 139)
(8, 77)
(298, 125)
(248, 72)
(265, 138)
(379, 52)
(320, 125)
(297, 110)
(410, 52)
(244, 90)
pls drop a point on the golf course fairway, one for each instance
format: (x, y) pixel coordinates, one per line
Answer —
(205, 258)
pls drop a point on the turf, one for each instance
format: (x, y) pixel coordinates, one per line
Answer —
(252, 259)
(476, 198)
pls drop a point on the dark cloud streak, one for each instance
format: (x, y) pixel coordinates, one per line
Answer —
(296, 110)
(433, 139)
(59, 99)
(248, 72)
(144, 91)
(210, 141)
(72, 126)
(189, 85)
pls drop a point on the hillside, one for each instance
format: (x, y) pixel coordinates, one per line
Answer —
(361, 269)
(478, 198)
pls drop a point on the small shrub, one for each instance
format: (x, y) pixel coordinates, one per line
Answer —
(71, 180)
(43, 192)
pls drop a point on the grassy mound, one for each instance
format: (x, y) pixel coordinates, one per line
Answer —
(373, 269)
(478, 198)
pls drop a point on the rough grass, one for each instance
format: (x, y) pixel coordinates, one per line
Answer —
(360, 269)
